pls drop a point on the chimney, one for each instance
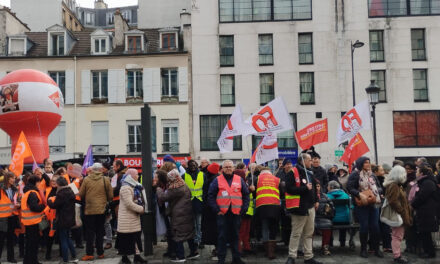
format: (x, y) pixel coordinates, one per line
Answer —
(185, 19)
(121, 27)
(100, 4)
(185, 29)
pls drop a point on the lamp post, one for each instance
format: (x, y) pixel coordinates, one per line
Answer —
(354, 46)
(373, 97)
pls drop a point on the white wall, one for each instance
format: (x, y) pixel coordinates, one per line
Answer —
(40, 14)
(161, 13)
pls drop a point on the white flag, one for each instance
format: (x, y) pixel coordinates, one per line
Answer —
(353, 121)
(267, 150)
(271, 118)
(232, 128)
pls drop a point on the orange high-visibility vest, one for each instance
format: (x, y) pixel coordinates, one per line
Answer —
(229, 196)
(67, 178)
(77, 197)
(292, 201)
(268, 192)
(29, 217)
(50, 213)
(6, 206)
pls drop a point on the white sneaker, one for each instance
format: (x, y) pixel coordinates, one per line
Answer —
(74, 261)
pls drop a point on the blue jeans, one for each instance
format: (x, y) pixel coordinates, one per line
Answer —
(228, 227)
(180, 251)
(66, 244)
(269, 228)
(198, 228)
(368, 217)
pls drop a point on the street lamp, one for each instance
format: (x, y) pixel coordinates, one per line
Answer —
(373, 97)
(354, 46)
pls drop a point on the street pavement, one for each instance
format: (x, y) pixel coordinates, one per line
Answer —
(339, 255)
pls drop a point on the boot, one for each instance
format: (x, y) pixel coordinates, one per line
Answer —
(271, 249)
(364, 241)
(266, 248)
(376, 241)
(139, 260)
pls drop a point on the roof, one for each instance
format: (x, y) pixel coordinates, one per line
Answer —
(14, 15)
(82, 45)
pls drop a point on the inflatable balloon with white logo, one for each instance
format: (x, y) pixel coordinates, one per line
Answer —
(30, 101)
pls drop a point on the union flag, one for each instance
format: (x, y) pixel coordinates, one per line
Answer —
(355, 149)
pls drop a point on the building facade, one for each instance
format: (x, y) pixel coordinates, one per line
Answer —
(248, 52)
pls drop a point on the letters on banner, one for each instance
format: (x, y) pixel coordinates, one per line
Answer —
(232, 128)
(353, 121)
(313, 134)
(273, 118)
(22, 151)
(355, 149)
(267, 150)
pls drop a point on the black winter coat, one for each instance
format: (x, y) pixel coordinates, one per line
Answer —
(65, 206)
(321, 175)
(308, 197)
(425, 205)
(209, 218)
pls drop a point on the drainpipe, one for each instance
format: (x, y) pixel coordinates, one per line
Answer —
(74, 111)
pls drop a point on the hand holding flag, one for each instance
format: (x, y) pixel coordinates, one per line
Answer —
(355, 149)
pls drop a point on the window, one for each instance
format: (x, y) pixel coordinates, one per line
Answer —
(17, 46)
(416, 129)
(110, 18)
(211, 126)
(60, 79)
(134, 44)
(376, 46)
(57, 44)
(100, 45)
(169, 82)
(305, 48)
(99, 84)
(126, 14)
(306, 87)
(267, 93)
(57, 139)
(100, 137)
(420, 82)
(90, 18)
(134, 83)
(135, 136)
(169, 41)
(379, 77)
(264, 10)
(286, 139)
(384, 8)
(170, 136)
(226, 50)
(265, 49)
(418, 44)
(227, 90)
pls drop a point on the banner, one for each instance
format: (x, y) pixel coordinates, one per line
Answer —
(267, 150)
(313, 134)
(273, 118)
(355, 149)
(232, 128)
(353, 121)
(88, 160)
(22, 151)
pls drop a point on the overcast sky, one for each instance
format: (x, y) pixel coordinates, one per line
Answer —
(89, 3)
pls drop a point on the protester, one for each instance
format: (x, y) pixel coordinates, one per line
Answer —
(49, 232)
(342, 212)
(178, 197)
(332, 173)
(398, 162)
(360, 180)
(229, 204)
(244, 245)
(385, 230)
(64, 204)
(96, 192)
(302, 187)
(343, 177)
(397, 200)
(285, 168)
(423, 198)
(8, 215)
(204, 163)
(323, 220)
(268, 208)
(32, 207)
(319, 172)
(410, 173)
(132, 205)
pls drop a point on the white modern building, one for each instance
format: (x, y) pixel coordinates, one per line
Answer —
(248, 52)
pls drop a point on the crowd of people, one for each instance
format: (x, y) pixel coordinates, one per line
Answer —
(222, 205)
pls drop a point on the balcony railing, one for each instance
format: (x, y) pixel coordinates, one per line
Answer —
(57, 149)
(100, 149)
(134, 148)
(170, 147)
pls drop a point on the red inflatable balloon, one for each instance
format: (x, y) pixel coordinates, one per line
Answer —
(30, 101)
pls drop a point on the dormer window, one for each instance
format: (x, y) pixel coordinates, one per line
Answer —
(169, 39)
(57, 41)
(134, 41)
(17, 46)
(110, 18)
(100, 42)
(100, 45)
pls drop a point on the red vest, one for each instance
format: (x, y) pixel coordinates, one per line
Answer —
(229, 196)
(292, 201)
(268, 192)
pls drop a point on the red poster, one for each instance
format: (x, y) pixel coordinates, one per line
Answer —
(313, 134)
(355, 149)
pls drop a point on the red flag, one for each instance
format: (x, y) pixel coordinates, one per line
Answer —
(355, 149)
(313, 134)
(22, 151)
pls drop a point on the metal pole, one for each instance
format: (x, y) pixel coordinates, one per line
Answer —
(147, 180)
(374, 133)
(352, 74)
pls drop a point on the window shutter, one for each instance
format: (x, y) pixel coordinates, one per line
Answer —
(120, 87)
(85, 86)
(70, 87)
(156, 85)
(183, 84)
(148, 85)
(114, 84)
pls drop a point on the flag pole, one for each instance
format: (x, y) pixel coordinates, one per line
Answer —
(304, 166)
(252, 172)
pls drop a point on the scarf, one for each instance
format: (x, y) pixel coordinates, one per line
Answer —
(139, 195)
(174, 180)
(414, 187)
(367, 182)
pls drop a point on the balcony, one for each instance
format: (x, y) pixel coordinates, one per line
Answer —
(57, 149)
(100, 149)
(170, 147)
(134, 148)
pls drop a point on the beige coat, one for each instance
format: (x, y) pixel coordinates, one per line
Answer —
(129, 211)
(93, 193)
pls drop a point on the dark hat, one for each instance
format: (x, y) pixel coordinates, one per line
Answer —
(285, 161)
(213, 168)
(311, 151)
(168, 158)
